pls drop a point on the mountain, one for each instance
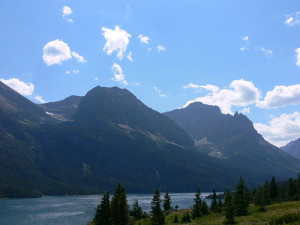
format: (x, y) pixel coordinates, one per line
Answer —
(111, 138)
(234, 140)
(62, 110)
(293, 148)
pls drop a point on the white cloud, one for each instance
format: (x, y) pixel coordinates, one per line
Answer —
(289, 21)
(160, 48)
(144, 39)
(57, 51)
(67, 72)
(298, 56)
(76, 71)
(95, 78)
(118, 74)
(70, 21)
(245, 110)
(281, 96)
(149, 49)
(66, 11)
(159, 92)
(208, 87)
(39, 99)
(281, 130)
(19, 86)
(292, 19)
(129, 56)
(117, 40)
(240, 93)
(266, 51)
(78, 57)
(246, 38)
(243, 48)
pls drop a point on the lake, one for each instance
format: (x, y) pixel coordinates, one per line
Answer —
(72, 210)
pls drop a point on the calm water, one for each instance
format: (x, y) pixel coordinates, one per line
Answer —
(70, 210)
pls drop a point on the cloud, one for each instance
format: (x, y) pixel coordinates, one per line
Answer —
(149, 49)
(57, 51)
(160, 48)
(281, 96)
(129, 57)
(208, 87)
(39, 99)
(70, 21)
(239, 93)
(67, 72)
(292, 19)
(246, 38)
(144, 39)
(76, 71)
(281, 130)
(245, 110)
(78, 57)
(66, 11)
(118, 74)
(298, 56)
(266, 51)
(159, 92)
(95, 78)
(117, 40)
(19, 86)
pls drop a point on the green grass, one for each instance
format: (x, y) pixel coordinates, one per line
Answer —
(253, 218)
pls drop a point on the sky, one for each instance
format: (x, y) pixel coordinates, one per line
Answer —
(239, 55)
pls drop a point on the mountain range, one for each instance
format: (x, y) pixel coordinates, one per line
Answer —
(293, 148)
(89, 144)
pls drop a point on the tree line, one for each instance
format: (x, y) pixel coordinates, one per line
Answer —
(232, 203)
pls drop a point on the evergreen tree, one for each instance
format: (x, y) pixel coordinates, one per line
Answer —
(102, 215)
(119, 207)
(241, 198)
(175, 219)
(136, 211)
(204, 208)
(186, 218)
(214, 204)
(266, 194)
(220, 204)
(167, 202)
(258, 198)
(227, 197)
(229, 209)
(274, 193)
(197, 205)
(157, 215)
(292, 189)
(176, 207)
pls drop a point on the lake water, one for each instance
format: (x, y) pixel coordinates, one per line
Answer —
(72, 210)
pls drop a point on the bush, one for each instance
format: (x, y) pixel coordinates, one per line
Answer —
(285, 219)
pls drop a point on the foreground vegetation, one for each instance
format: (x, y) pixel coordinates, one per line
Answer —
(270, 204)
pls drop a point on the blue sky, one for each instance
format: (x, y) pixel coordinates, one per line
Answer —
(240, 55)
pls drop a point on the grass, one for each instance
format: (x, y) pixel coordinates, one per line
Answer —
(254, 217)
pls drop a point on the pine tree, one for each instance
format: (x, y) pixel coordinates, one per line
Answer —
(167, 202)
(136, 211)
(227, 197)
(204, 208)
(176, 207)
(292, 189)
(119, 207)
(175, 219)
(186, 218)
(266, 194)
(229, 209)
(157, 215)
(102, 215)
(197, 205)
(241, 198)
(274, 193)
(214, 204)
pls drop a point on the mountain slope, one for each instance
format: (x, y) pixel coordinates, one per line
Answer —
(233, 139)
(293, 148)
(62, 110)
